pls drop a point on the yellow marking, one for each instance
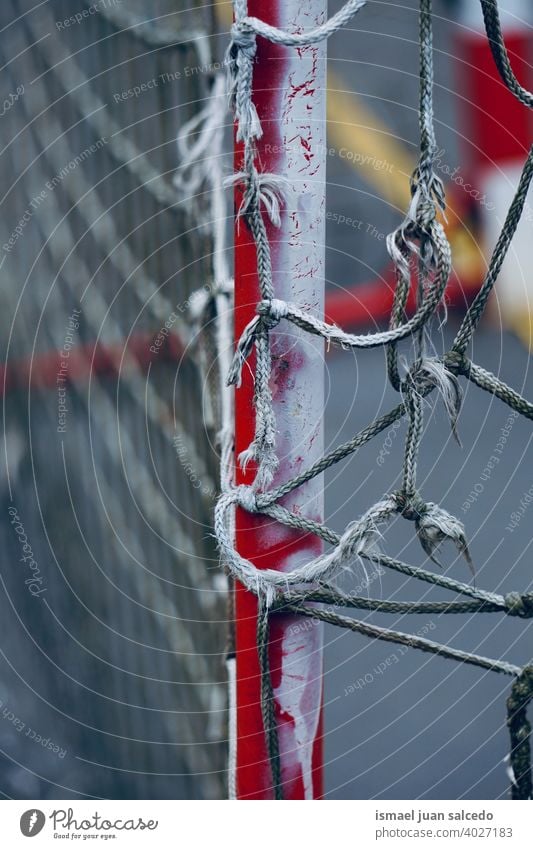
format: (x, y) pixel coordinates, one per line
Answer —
(521, 323)
(224, 12)
(468, 261)
(367, 145)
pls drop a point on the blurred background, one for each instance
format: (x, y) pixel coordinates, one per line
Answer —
(112, 605)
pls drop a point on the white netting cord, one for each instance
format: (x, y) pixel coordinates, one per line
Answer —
(200, 144)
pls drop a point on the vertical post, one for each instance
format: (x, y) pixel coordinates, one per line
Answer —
(289, 93)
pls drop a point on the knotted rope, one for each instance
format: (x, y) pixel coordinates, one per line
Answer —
(520, 732)
(421, 253)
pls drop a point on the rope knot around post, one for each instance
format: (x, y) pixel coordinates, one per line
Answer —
(240, 59)
(245, 497)
(243, 37)
(519, 604)
(271, 311)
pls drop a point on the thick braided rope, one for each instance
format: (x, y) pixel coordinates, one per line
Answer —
(401, 294)
(274, 310)
(488, 381)
(250, 26)
(433, 524)
(459, 364)
(263, 447)
(513, 604)
(412, 442)
(428, 144)
(399, 637)
(418, 236)
(358, 537)
(267, 699)
(493, 29)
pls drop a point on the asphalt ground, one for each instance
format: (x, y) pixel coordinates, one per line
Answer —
(400, 723)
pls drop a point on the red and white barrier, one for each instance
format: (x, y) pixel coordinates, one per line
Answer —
(289, 93)
(496, 136)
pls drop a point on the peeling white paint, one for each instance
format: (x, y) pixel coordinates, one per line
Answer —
(299, 697)
(298, 369)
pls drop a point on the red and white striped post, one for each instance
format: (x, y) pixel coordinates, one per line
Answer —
(289, 94)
